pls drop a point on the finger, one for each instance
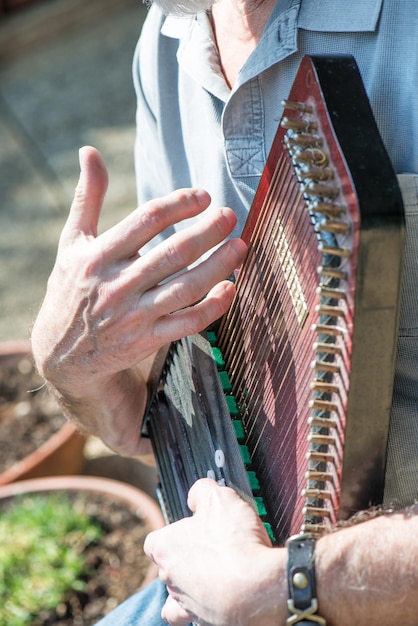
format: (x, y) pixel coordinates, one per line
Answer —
(89, 194)
(206, 497)
(159, 543)
(187, 246)
(152, 218)
(195, 318)
(175, 615)
(190, 287)
(155, 544)
(203, 493)
(149, 544)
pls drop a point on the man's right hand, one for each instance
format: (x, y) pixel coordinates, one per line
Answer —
(107, 308)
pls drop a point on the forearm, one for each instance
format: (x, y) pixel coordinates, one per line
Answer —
(108, 411)
(368, 573)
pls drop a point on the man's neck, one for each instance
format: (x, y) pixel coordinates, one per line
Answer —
(238, 26)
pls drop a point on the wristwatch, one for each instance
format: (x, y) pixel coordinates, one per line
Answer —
(302, 603)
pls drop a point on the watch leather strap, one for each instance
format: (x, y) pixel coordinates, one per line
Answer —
(302, 603)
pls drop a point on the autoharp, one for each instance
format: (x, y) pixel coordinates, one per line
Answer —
(287, 399)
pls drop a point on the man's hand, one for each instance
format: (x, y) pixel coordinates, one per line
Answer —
(219, 566)
(221, 571)
(107, 308)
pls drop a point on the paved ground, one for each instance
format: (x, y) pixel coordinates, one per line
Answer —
(65, 81)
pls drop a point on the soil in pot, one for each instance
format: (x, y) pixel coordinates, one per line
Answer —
(35, 439)
(29, 416)
(114, 565)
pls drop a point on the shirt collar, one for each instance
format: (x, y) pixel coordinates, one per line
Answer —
(278, 41)
(279, 38)
(197, 54)
(320, 15)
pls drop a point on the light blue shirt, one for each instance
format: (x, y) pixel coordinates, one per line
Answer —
(195, 131)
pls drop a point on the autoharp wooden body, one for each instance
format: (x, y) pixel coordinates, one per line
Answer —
(287, 399)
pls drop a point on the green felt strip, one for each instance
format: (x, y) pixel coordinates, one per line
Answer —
(218, 358)
(225, 382)
(269, 530)
(253, 480)
(261, 509)
(239, 430)
(232, 406)
(245, 455)
(211, 335)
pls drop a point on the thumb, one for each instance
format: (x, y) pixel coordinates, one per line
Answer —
(202, 494)
(89, 193)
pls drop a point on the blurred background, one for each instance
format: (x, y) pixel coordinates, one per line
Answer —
(65, 81)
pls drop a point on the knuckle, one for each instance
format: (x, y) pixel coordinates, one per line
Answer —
(195, 322)
(84, 196)
(222, 224)
(180, 294)
(85, 273)
(156, 212)
(79, 194)
(164, 575)
(190, 195)
(150, 216)
(176, 255)
(183, 195)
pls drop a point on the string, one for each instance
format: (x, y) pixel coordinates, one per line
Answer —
(257, 311)
(262, 290)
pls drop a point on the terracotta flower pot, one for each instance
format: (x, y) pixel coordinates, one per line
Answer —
(136, 500)
(62, 453)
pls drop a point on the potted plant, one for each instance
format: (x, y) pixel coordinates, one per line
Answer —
(35, 438)
(75, 566)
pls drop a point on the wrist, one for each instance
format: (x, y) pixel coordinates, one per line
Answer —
(269, 598)
(301, 581)
(110, 407)
(114, 410)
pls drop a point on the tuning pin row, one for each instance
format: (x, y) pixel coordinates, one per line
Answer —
(331, 333)
(319, 185)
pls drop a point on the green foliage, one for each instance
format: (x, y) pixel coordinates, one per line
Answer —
(42, 539)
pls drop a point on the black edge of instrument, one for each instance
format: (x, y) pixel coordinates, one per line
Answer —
(378, 290)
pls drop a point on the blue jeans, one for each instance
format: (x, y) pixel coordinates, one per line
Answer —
(141, 609)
